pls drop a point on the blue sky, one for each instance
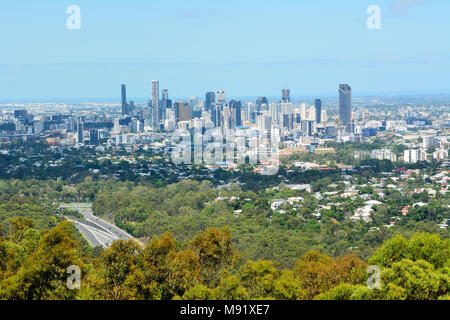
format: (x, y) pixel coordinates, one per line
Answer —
(246, 47)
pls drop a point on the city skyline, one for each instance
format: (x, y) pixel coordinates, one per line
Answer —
(225, 155)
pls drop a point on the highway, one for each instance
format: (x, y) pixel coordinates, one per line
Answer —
(98, 232)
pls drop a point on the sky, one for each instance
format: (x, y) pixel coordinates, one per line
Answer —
(246, 47)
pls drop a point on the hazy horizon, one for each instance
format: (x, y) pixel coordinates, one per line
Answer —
(273, 98)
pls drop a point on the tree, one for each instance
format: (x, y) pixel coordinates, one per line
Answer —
(259, 278)
(393, 250)
(117, 262)
(215, 251)
(287, 287)
(148, 278)
(43, 274)
(199, 292)
(183, 273)
(419, 279)
(316, 273)
(347, 291)
(230, 288)
(17, 228)
(420, 247)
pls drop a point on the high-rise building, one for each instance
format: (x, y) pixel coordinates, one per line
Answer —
(210, 99)
(286, 96)
(221, 97)
(80, 138)
(260, 102)
(216, 115)
(324, 116)
(94, 139)
(264, 122)
(165, 103)
(20, 114)
(440, 154)
(303, 112)
(155, 103)
(182, 111)
(414, 156)
(217, 110)
(318, 106)
(165, 94)
(307, 127)
(345, 106)
(124, 100)
(193, 101)
(236, 113)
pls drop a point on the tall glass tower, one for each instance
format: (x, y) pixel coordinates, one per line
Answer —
(155, 103)
(318, 107)
(124, 100)
(286, 96)
(210, 100)
(345, 106)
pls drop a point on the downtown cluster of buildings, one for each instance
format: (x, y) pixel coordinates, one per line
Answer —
(296, 126)
(216, 112)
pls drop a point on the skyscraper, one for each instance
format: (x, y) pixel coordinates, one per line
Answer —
(124, 100)
(80, 138)
(164, 105)
(182, 111)
(94, 138)
(216, 114)
(221, 97)
(165, 94)
(210, 99)
(318, 106)
(345, 106)
(236, 114)
(286, 96)
(155, 103)
(260, 102)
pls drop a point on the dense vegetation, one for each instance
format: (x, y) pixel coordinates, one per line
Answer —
(189, 208)
(214, 235)
(33, 265)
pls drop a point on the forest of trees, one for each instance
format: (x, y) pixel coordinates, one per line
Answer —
(189, 207)
(197, 248)
(33, 265)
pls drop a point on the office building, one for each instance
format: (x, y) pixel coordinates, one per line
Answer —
(182, 111)
(210, 99)
(194, 102)
(221, 97)
(155, 103)
(236, 114)
(262, 103)
(318, 107)
(80, 138)
(94, 139)
(345, 106)
(165, 104)
(286, 96)
(21, 114)
(124, 100)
